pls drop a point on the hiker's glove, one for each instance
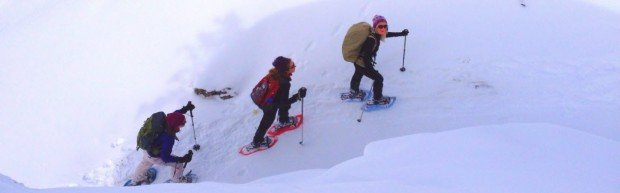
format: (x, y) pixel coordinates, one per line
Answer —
(405, 32)
(302, 92)
(186, 158)
(188, 107)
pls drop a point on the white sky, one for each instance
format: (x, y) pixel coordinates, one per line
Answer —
(613, 5)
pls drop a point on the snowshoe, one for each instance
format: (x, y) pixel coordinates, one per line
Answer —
(187, 178)
(151, 174)
(276, 131)
(292, 121)
(383, 103)
(252, 148)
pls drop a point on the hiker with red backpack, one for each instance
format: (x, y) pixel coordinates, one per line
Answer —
(363, 56)
(271, 94)
(156, 138)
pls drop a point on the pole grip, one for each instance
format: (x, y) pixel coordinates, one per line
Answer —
(191, 114)
(191, 154)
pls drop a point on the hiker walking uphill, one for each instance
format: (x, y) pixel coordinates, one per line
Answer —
(271, 95)
(363, 55)
(156, 138)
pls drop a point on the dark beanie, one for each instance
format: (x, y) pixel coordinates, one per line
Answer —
(174, 120)
(281, 63)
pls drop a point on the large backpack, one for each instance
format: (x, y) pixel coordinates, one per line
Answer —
(353, 41)
(151, 129)
(264, 93)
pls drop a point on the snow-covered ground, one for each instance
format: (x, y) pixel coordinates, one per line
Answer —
(79, 82)
(499, 158)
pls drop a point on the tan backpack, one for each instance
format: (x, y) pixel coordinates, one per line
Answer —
(352, 44)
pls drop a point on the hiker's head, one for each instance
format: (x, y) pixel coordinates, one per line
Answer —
(284, 65)
(291, 68)
(379, 25)
(175, 121)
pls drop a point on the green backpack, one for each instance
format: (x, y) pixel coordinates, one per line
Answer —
(352, 44)
(151, 129)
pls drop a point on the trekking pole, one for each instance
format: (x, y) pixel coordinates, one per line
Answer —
(185, 164)
(402, 69)
(191, 114)
(191, 154)
(301, 142)
(359, 120)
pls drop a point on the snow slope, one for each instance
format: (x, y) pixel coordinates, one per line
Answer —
(77, 77)
(469, 63)
(483, 62)
(497, 158)
(9, 185)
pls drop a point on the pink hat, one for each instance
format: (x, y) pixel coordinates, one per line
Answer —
(377, 19)
(174, 120)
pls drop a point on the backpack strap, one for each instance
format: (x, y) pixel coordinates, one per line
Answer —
(276, 83)
(375, 39)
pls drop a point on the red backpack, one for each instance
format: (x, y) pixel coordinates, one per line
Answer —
(264, 93)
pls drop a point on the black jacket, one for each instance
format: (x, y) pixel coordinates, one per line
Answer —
(371, 46)
(282, 99)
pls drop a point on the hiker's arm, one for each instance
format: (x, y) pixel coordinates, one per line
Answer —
(166, 150)
(285, 101)
(405, 32)
(293, 99)
(186, 108)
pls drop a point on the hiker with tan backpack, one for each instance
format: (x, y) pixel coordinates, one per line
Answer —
(360, 47)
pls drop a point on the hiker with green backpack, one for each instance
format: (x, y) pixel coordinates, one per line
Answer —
(156, 138)
(360, 47)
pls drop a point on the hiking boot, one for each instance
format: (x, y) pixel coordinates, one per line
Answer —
(291, 121)
(264, 144)
(185, 179)
(381, 101)
(250, 147)
(356, 94)
(132, 183)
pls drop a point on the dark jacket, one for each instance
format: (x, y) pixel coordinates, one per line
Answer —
(166, 142)
(282, 99)
(371, 46)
